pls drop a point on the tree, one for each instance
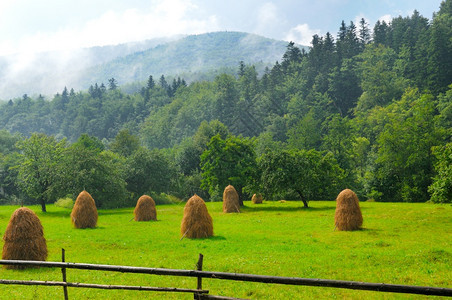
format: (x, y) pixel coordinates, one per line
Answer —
(125, 143)
(229, 161)
(441, 187)
(309, 173)
(112, 84)
(440, 49)
(189, 157)
(404, 163)
(38, 176)
(90, 142)
(99, 173)
(151, 83)
(226, 99)
(380, 81)
(364, 33)
(148, 171)
(291, 56)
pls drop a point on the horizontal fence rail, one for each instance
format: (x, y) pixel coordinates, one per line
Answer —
(101, 286)
(355, 285)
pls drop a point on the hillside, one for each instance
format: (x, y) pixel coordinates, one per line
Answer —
(195, 53)
(49, 73)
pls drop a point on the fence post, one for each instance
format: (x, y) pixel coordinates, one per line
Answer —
(198, 296)
(63, 270)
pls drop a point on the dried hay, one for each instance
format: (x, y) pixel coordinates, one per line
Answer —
(257, 199)
(196, 223)
(230, 200)
(145, 209)
(348, 214)
(24, 238)
(84, 213)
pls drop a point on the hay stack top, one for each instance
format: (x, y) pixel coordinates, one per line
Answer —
(23, 225)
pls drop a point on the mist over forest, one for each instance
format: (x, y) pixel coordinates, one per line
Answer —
(193, 56)
(368, 107)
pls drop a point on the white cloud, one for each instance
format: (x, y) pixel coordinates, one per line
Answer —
(301, 34)
(386, 18)
(163, 18)
(267, 17)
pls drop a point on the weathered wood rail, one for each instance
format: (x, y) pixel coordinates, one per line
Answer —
(200, 293)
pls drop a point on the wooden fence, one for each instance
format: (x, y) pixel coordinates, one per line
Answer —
(199, 292)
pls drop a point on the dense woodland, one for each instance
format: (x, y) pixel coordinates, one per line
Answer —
(369, 110)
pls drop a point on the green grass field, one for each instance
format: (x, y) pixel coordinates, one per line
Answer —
(401, 243)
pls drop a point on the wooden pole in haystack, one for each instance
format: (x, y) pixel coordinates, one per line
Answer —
(84, 212)
(231, 202)
(348, 213)
(196, 223)
(145, 209)
(24, 238)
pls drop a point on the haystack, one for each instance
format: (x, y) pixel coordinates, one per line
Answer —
(24, 238)
(145, 209)
(348, 214)
(230, 200)
(196, 223)
(84, 212)
(257, 199)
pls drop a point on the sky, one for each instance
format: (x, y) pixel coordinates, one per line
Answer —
(29, 26)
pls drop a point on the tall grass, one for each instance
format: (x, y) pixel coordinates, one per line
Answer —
(401, 243)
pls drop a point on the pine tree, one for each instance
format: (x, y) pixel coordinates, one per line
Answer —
(364, 33)
(112, 84)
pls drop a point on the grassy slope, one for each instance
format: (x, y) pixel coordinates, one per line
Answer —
(401, 244)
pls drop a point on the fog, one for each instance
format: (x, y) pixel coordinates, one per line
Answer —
(47, 73)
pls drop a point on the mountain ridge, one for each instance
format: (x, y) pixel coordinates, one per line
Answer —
(184, 55)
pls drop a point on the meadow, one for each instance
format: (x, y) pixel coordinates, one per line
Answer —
(400, 243)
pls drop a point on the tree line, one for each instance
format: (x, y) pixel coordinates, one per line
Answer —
(367, 110)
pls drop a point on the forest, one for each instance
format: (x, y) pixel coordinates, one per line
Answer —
(369, 110)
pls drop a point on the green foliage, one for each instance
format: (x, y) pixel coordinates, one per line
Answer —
(90, 142)
(380, 83)
(355, 98)
(404, 161)
(228, 161)
(65, 203)
(125, 143)
(101, 174)
(441, 187)
(38, 176)
(148, 171)
(312, 175)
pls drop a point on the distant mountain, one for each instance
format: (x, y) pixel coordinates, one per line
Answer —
(49, 73)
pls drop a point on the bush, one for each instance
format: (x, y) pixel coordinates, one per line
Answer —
(441, 187)
(163, 198)
(66, 202)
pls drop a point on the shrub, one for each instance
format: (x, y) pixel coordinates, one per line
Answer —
(65, 203)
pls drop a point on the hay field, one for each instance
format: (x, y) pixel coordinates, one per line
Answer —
(401, 243)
